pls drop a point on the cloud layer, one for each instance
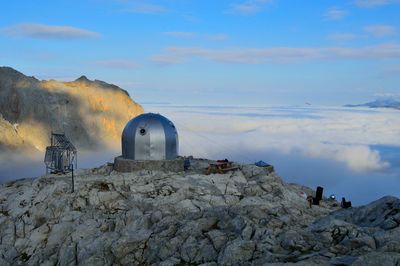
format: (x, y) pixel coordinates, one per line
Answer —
(375, 3)
(180, 34)
(146, 8)
(43, 31)
(334, 13)
(177, 55)
(249, 6)
(380, 30)
(336, 134)
(331, 147)
(116, 64)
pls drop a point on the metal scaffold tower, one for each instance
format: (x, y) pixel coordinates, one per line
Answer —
(61, 156)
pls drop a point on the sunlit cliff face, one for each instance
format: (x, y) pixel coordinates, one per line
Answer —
(8, 135)
(91, 113)
(104, 112)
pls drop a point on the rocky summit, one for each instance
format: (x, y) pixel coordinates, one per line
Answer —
(247, 216)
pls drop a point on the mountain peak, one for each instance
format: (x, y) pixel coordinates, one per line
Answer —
(83, 78)
(10, 72)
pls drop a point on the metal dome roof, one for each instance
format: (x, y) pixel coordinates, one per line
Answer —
(150, 137)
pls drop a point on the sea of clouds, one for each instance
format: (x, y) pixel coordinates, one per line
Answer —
(352, 152)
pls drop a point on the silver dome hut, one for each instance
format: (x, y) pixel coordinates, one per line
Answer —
(150, 137)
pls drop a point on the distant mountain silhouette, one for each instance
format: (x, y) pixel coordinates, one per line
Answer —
(383, 103)
(91, 113)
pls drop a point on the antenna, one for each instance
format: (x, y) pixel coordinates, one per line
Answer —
(63, 115)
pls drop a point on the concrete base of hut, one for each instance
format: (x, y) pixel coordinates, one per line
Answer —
(126, 165)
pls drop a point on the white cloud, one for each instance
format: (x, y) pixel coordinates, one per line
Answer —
(188, 35)
(338, 134)
(43, 31)
(147, 8)
(249, 6)
(191, 18)
(116, 63)
(374, 3)
(179, 55)
(180, 34)
(342, 37)
(380, 30)
(166, 60)
(217, 37)
(388, 95)
(359, 158)
(334, 13)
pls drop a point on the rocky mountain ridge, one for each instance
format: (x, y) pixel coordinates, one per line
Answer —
(382, 103)
(91, 113)
(248, 216)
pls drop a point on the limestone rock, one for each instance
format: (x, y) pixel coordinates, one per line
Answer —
(248, 216)
(91, 113)
(375, 258)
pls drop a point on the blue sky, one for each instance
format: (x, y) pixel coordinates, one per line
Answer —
(247, 52)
